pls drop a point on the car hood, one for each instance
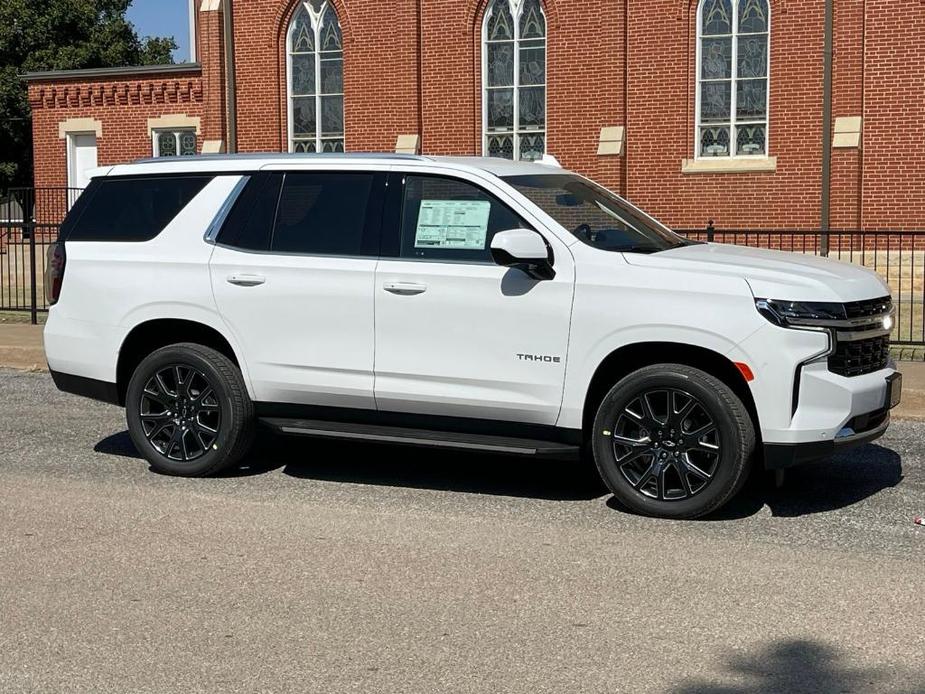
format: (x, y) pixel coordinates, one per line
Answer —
(772, 274)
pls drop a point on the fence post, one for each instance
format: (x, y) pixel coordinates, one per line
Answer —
(711, 231)
(34, 306)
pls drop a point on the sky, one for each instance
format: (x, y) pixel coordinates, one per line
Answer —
(163, 18)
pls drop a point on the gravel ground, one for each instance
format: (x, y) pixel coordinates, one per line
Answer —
(341, 568)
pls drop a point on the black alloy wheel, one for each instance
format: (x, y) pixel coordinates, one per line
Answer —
(666, 444)
(188, 410)
(180, 412)
(673, 441)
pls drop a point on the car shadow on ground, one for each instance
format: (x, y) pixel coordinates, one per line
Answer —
(795, 665)
(827, 485)
(401, 466)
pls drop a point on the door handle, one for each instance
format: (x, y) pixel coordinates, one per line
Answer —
(404, 288)
(246, 280)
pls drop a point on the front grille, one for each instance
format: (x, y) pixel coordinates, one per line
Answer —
(868, 307)
(860, 357)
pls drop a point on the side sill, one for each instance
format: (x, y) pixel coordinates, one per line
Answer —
(433, 423)
(729, 165)
(103, 391)
(427, 438)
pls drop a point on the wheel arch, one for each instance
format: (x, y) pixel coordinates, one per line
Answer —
(629, 358)
(150, 335)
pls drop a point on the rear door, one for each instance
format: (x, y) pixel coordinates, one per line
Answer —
(293, 272)
(456, 334)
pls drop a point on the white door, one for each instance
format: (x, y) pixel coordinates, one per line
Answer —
(81, 157)
(457, 335)
(298, 295)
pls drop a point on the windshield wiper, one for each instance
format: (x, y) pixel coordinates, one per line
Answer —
(635, 249)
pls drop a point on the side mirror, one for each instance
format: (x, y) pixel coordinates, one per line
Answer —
(525, 250)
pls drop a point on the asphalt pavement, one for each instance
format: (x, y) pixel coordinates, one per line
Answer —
(323, 567)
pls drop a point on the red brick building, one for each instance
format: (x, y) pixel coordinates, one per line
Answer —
(694, 109)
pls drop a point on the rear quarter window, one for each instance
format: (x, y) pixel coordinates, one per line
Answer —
(131, 209)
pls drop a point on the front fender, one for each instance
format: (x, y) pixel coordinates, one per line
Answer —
(581, 368)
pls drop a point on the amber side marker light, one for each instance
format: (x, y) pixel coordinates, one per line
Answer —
(745, 370)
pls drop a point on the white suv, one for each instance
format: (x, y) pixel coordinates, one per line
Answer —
(459, 303)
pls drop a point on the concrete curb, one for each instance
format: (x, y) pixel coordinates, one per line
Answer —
(21, 347)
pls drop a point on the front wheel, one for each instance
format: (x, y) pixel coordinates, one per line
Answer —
(188, 411)
(673, 441)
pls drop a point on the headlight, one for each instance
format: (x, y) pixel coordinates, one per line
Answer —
(793, 313)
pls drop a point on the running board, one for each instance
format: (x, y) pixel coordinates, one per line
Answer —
(421, 437)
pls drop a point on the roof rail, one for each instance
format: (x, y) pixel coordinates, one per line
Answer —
(297, 156)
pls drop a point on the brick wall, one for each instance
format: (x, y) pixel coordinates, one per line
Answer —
(661, 79)
(122, 105)
(380, 73)
(609, 63)
(893, 179)
(847, 100)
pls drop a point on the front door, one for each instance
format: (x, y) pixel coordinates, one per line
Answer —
(457, 335)
(293, 272)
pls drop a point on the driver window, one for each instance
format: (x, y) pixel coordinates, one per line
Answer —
(450, 219)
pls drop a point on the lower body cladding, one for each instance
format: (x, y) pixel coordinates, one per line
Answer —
(857, 407)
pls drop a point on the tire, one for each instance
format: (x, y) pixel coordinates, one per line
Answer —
(196, 387)
(683, 463)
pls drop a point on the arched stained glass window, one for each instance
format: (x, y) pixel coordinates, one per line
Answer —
(732, 78)
(514, 79)
(316, 79)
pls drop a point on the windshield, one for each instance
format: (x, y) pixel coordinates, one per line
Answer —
(595, 215)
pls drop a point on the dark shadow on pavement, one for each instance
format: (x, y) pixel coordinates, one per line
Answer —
(118, 444)
(422, 468)
(401, 466)
(837, 482)
(827, 485)
(121, 445)
(796, 666)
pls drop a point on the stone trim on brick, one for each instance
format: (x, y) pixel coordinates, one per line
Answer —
(174, 122)
(847, 132)
(612, 140)
(79, 125)
(408, 144)
(213, 147)
(729, 165)
(121, 93)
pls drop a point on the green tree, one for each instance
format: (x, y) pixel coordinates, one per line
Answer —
(59, 35)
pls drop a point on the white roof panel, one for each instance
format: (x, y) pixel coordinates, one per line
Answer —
(253, 161)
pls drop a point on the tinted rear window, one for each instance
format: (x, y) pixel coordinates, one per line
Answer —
(133, 209)
(323, 214)
(250, 223)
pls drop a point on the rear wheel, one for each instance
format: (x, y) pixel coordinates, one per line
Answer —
(673, 441)
(188, 411)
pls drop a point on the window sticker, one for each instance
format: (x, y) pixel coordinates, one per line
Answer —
(461, 224)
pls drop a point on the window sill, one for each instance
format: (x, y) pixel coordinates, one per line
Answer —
(729, 165)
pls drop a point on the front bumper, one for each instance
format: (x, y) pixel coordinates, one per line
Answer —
(805, 410)
(779, 456)
(860, 405)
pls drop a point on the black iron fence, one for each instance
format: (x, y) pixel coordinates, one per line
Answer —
(897, 256)
(30, 219)
(29, 222)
